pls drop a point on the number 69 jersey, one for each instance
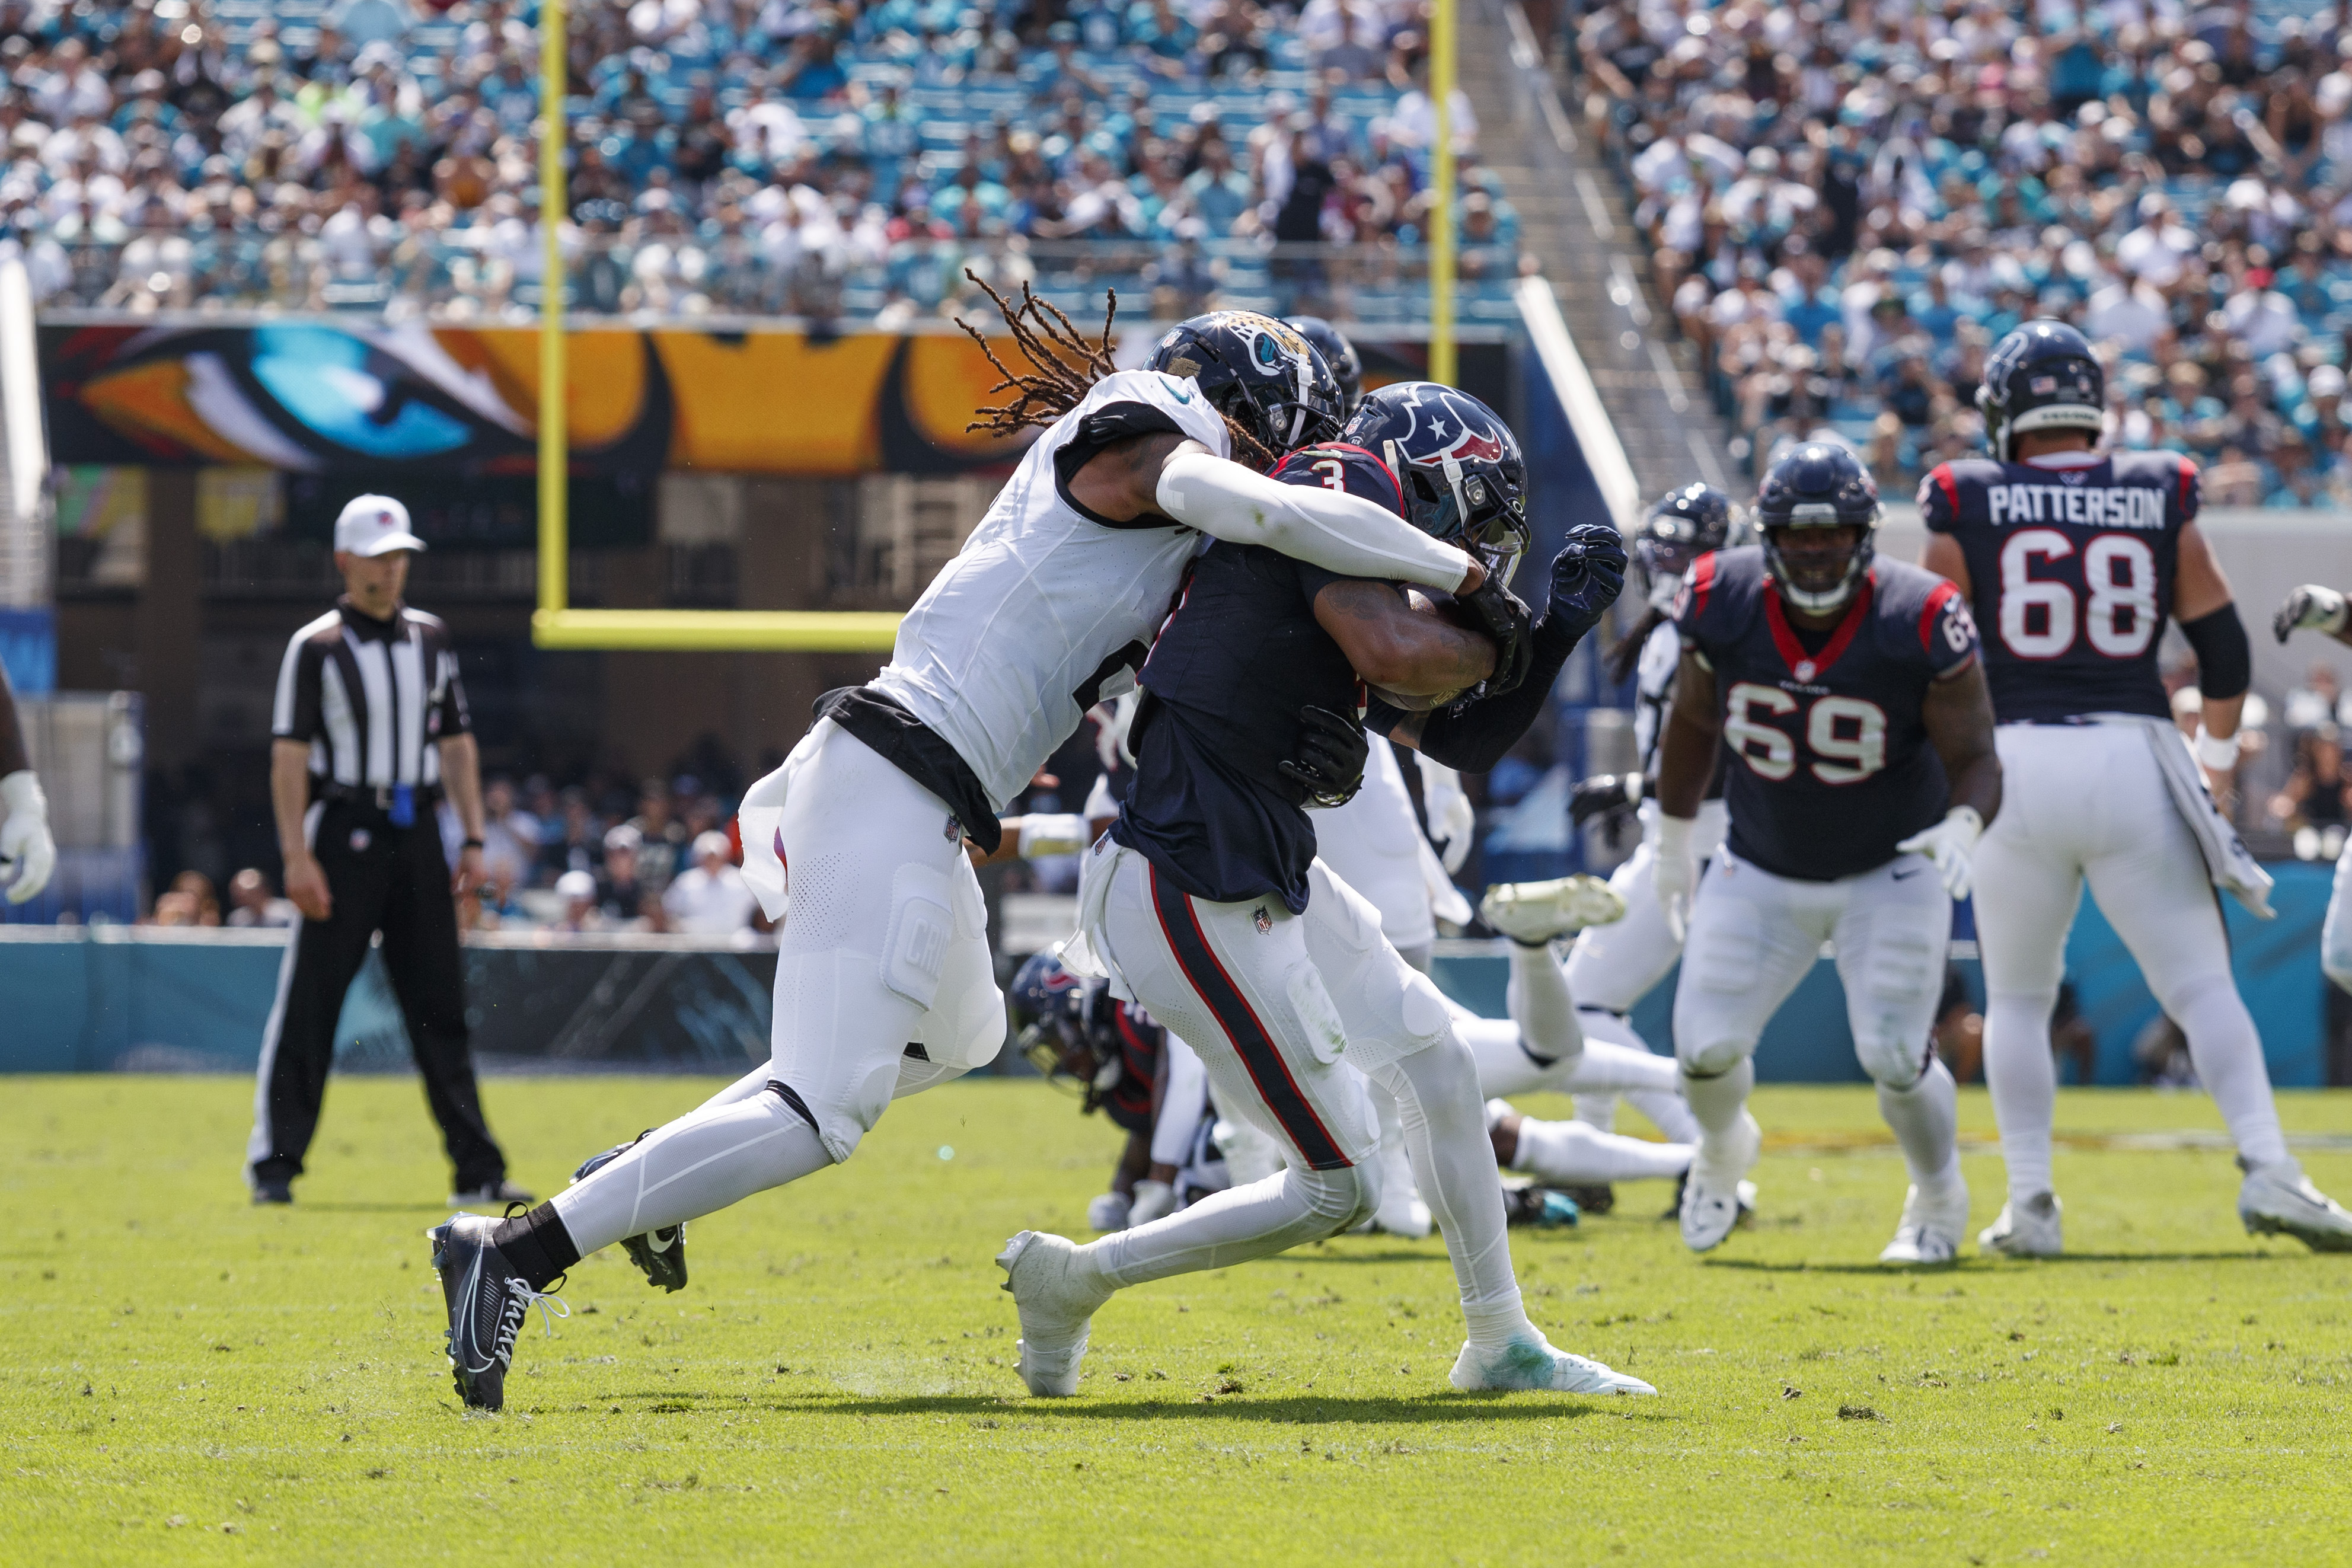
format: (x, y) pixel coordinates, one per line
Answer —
(1830, 763)
(2071, 562)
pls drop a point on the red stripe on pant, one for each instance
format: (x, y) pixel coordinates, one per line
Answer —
(1182, 926)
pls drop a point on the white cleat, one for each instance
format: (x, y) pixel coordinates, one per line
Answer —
(1057, 1302)
(2279, 1200)
(1930, 1231)
(1539, 1366)
(1712, 1207)
(1535, 911)
(2027, 1229)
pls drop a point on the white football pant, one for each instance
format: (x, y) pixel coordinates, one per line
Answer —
(1283, 1010)
(2085, 803)
(2336, 936)
(885, 947)
(1754, 937)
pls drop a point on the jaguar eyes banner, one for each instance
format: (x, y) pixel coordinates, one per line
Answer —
(317, 395)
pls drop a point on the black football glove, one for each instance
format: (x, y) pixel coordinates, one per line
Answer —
(1611, 797)
(1501, 615)
(1587, 575)
(1332, 752)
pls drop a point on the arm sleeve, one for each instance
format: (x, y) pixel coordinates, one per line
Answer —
(2225, 660)
(1947, 632)
(294, 716)
(1939, 499)
(1473, 738)
(1341, 533)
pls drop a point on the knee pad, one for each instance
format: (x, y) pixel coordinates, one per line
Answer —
(1713, 1059)
(1388, 1008)
(1894, 1063)
(840, 1035)
(1891, 1003)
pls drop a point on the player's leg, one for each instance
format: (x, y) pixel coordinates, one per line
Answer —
(2029, 882)
(2152, 885)
(1613, 967)
(298, 1041)
(1400, 1031)
(1403, 1211)
(1572, 1154)
(1891, 939)
(1753, 937)
(1234, 980)
(2335, 934)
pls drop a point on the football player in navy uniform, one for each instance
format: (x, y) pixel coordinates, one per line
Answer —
(1205, 901)
(2073, 559)
(1850, 696)
(2315, 607)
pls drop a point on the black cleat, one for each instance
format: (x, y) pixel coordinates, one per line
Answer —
(269, 1192)
(660, 1255)
(1543, 1208)
(487, 1302)
(1598, 1200)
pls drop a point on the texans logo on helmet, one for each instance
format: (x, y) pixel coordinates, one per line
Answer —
(1475, 446)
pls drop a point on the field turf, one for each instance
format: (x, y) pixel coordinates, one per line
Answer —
(185, 1378)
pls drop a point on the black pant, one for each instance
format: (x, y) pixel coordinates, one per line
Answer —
(395, 881)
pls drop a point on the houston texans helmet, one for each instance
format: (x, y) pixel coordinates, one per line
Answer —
(1049, 1018)
(1818, 486)
(2042, 376)
(1257, 372)
(1347, 365)
(1465, 481)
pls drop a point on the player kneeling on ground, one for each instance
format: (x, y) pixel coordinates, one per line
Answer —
(1838, 685)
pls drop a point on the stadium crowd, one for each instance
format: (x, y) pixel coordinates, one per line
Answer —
(1847, 204)
(738, 155)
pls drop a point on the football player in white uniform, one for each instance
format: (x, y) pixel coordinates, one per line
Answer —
(2073, 558)
(2314, 607)
(1051, 605)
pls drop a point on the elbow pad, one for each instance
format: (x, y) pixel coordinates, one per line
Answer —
(1329, 528)
(2225, 660)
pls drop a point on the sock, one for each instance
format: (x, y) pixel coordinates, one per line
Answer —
(537, 1245)
(1495, 1324)
(1718, 1104)
(1539, 1003)
(1667, 1111)
(742, 1089)
(1289, 1208)
(1436, 1091)
(2023, 1082)
(696, 1165)
(1571, 1153)
(2227, 1054)
(1598, 1112)
(1925, 1118)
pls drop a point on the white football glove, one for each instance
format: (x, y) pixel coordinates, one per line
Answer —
(1153, 1200)
(25, 841)
(1452, 823)
(1108, 1211)
(1674, 872)
(2310, 608)
(1951, 844)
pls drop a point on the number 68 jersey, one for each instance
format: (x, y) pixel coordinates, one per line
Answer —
(1831, 765)
(2070, 564)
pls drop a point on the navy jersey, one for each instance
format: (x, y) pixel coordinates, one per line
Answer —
(1831, 766)
(1127, 1035)
(2071, 569)
(1222, 692)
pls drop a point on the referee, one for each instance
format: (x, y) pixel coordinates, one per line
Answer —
(370, 727)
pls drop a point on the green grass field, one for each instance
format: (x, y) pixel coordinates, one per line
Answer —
(183, 1378)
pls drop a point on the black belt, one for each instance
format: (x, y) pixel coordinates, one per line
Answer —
(377, 797)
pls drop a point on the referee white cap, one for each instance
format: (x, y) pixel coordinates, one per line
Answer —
(372, 525)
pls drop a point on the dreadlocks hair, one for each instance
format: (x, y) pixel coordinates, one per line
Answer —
(1065, 362)
(1628, 652)
(1066, 365)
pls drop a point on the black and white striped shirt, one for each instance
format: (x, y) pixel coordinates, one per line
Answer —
(371, 696)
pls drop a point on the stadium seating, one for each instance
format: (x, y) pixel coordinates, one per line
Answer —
(1848, 205)
(733, 157)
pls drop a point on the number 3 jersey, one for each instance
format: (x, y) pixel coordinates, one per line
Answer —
(1830, 762)
(2070, 565)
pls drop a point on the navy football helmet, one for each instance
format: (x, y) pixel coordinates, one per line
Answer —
(1347, 365)
(1820, 485)
(1257, 372)
(1465, 481)
(1049, 1015)
(1683, 524)
(2042, 376)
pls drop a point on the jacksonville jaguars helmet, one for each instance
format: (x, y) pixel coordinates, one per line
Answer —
(1258, 373)
(1347, 365)
(2042, 376)
(1683, 524)
(1818, 486)
(1465, 481)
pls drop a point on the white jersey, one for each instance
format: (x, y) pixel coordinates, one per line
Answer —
(1374, 843)
(1653, 691)
(1046, 610)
